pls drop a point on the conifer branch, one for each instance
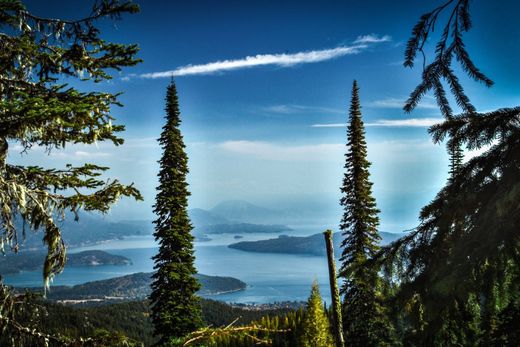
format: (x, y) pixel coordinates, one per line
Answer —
(450, 44)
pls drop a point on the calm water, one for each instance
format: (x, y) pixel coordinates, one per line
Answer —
(270, 277)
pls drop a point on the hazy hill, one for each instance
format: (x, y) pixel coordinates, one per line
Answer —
(90, 229)
(233, 217)
(244, 228)
(200, 217)
(243, 211)
(311, 245)
(33, 260)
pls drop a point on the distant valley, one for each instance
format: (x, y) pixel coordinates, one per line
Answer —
(310, 245)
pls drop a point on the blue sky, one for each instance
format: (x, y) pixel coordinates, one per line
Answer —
(264, 88)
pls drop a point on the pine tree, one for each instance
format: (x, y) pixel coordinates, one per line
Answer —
(316, 327)
(38, 110)
(363, 315)
(175, 307)
(461, 263)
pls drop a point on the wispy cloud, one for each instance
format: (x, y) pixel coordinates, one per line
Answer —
(410, 122)
(372, 38)
(293, 109)
(282, 60)
(425, 103)
(397, 123)
(329, 125)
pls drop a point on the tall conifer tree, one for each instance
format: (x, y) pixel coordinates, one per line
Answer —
(175, 306)
(364, 323)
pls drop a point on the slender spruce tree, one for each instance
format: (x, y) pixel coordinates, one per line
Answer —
(316, 326)
(364, 323)
(175, 305)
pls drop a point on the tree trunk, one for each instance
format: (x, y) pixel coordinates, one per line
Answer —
(337, 321)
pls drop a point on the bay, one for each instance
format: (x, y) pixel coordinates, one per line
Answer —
(270, 277)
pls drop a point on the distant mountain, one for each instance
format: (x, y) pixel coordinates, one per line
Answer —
(228, 218)
(310, 245)
(200, 217)
(33, 260)
(137, 286)
(243, 211)
(243, 228)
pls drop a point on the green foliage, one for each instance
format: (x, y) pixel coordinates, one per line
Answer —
(507, 332)
(274, 329)
(132, 320)
(35, 110)
(316, 327)
(175, 306)
(363, 315)
(457, 272)
(467, 243)
(25, 320)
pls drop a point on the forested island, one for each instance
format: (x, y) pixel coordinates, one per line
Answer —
(309, 245)
(134, 286)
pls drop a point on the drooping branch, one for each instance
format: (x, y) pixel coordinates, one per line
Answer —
(450, 45)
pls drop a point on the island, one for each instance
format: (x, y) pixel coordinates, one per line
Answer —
(133, 286)
(305, 245)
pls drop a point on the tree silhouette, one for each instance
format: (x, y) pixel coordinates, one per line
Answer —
(459, 266)
(175, 307)
(364, 319)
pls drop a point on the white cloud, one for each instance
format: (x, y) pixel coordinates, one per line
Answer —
(332, 125)
(409, 122)
(426, 103)
(372, 38)
(283, 60)
(291, 109)
(85, 154)
(272, 151)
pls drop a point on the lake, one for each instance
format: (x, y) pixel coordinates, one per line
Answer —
(270, 277)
